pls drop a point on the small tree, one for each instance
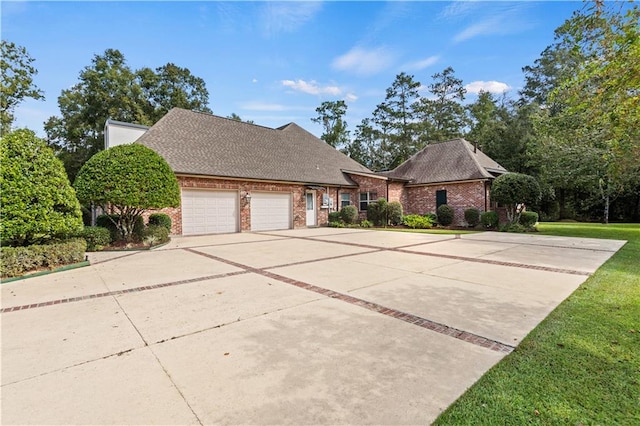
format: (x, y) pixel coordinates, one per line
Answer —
(38, 202)
(394, 213)
(128, 179)
(445, 215)
(514, 191)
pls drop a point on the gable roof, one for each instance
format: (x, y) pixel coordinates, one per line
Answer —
(203, 144)
(454, 160)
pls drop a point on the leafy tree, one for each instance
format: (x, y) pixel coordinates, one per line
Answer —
(127, 180)
(364, 147)
(515, 190)
(330, 116)
(38, 202)
(108, 88)
(236, 117)
(17, 81)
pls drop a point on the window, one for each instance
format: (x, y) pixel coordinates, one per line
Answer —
(345, 200)
(366, 198)
(441, 197)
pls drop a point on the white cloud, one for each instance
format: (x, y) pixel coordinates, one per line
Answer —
(364, 62)
(262, 106)
(489, 26)
(500, 18)
(255, 80)
(421, 64)
(458, 9)
(350, 97)
(288, 16)
(312, 87)
(487, 86)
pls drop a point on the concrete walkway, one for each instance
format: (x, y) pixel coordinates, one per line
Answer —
(313, 326)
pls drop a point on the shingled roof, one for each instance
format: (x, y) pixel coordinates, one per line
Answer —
(203, 144)
(450, 161)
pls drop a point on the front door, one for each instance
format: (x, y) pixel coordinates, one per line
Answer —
(311, 208)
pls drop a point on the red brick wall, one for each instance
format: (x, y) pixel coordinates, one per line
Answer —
(460, 196)
(367, 184)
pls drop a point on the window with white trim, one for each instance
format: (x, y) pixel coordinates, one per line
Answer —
(345, 200)
(367, 198)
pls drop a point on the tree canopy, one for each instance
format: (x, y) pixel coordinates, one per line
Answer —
(331, 117)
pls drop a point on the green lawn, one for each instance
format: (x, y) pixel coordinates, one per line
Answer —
(581, 365)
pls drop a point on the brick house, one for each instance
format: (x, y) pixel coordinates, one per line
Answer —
(453, 172)
(237, 176)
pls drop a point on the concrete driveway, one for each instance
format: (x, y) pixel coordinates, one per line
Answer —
(313, 326)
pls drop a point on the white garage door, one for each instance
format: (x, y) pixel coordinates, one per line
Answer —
(270, 211)
(209, 212)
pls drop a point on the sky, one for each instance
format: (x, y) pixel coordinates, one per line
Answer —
(276, 62)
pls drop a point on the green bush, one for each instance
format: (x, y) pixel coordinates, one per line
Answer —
(513, 189)
(334, 217)
(512, 227)
(37, 202)
(472, 216)
(155, 234)
(445, 215)
(97, 237)
(394, 213)
(489, 220)
(160, 219)
(16, 261)
(377, 212)
(110, 221)
(349, 214)
(338, 224)
(528, 219)
(432, 217)
(365, 224)
(416, 221)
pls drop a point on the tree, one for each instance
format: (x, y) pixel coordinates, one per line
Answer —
(38, 202)
(236, 117)
(17, 82)
(108, 88)
(330, 116)
(515, 190)
(127, 180)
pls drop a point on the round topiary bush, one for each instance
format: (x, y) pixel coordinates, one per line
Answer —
(394, 213)
(38, 203)
(489, 220)
(97, 237)
(528, 219)
(160, 219)
(472, 216)
(445, 215)
(515, 190)
(349, 214)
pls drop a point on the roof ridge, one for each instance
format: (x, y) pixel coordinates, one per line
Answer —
(467, 146)
(210, 114)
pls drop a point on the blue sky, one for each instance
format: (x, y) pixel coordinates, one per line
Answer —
(276, 62)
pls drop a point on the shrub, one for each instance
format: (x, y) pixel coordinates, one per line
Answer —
(155, 234)
(514, 190)
(512, 227)
(110, 222)
(489, 220)
(394, 213)
(432, 217)
(529, 219)
(37, 202)
(336, 224)
(349, 214)
(130, 179)
(334, 217)
(365, 224)
(472, 216)
(445, 215)
(96, 237)
(415, 221)
(377, 212)
(160, 219)
(16, 261)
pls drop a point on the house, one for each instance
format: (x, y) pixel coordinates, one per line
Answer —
(453, 172)
(236, 176)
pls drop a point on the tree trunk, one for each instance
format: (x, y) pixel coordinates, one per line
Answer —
(606, 208)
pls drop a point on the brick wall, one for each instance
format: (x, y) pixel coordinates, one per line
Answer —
(460, 196)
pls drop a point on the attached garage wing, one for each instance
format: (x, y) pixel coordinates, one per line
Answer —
(209, 212)
(270, 211)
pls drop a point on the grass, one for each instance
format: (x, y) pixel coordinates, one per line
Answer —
(581, 365)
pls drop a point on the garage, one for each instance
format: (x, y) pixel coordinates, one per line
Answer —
(270, 211)
(209, 212)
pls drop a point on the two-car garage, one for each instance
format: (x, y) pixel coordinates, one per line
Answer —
(216, 212)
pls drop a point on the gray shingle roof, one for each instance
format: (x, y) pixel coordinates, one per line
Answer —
(204, 144)
(449, 161)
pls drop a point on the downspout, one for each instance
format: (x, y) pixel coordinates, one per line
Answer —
(486, 186)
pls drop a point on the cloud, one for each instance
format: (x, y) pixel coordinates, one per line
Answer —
(350, 97)
(421, 64)
(487, 86)
(458, 9)
(262, 106)
(364, 62)
(489, 26)
(312, 87)
(501, 18)
(279, 17)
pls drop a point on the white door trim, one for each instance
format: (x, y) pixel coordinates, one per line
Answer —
(311, 209)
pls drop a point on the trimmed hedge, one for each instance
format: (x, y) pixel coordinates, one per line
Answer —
(160, 219)
(155, 234)
(394, 213)
(415, 221)
(96, 237)
(528, 219)
(472, 216)
(445, 215)
(16, 261)
(334, 217)
(349, 214)
(489, 220)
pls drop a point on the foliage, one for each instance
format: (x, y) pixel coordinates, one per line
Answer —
(394, 213)
(160, 219)
(489, 220)
(514, 191)
(155, 234)
(445, 215)
(97, 237)
(110, 222)
(16, 261)
(349, 214)
(17, 72)
(330, 116)
(472, 216)
(38, 203)
(528, 219)
(416, 221)
(334, 217)
(130, 179)
(591, 338)
(366, 223)
(512, 227)
(337, 224)
(377, 212)
(109, 88)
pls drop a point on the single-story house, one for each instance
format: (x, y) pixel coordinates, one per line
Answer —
(236, 176)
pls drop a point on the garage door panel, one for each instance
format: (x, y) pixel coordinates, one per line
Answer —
(209, 212)
(270, 211)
